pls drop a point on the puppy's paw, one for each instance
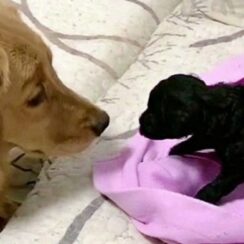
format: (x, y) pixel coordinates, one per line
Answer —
(177, 150)
(208, 195)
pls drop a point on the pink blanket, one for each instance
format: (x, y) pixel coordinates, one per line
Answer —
(156, 190)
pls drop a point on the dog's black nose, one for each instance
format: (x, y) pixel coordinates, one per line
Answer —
(102, 124)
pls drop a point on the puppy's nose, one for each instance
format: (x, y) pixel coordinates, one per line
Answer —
(145, 118)
(141, 119)
(102, 124)
(147, 123)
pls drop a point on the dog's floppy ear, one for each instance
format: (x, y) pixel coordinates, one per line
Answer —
(4, 71)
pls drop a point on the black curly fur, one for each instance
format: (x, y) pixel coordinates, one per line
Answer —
(213, 117)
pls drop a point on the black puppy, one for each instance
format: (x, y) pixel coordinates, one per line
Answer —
(213, 116)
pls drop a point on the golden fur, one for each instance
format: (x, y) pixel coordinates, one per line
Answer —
(37, 112)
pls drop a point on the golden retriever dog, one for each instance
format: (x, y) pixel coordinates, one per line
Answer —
(37, 112)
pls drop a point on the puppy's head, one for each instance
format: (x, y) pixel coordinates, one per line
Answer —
(37, 112)
(173, 108)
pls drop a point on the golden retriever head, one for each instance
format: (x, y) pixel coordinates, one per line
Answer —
(37, 112)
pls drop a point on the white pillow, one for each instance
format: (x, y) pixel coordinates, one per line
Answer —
(227, 11)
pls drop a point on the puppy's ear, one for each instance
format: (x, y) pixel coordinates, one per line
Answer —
(216, 98)
(4, 71)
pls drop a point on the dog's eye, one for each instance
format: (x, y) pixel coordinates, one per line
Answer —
(37, 99)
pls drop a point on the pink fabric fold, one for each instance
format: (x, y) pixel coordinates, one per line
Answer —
(156, 190)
